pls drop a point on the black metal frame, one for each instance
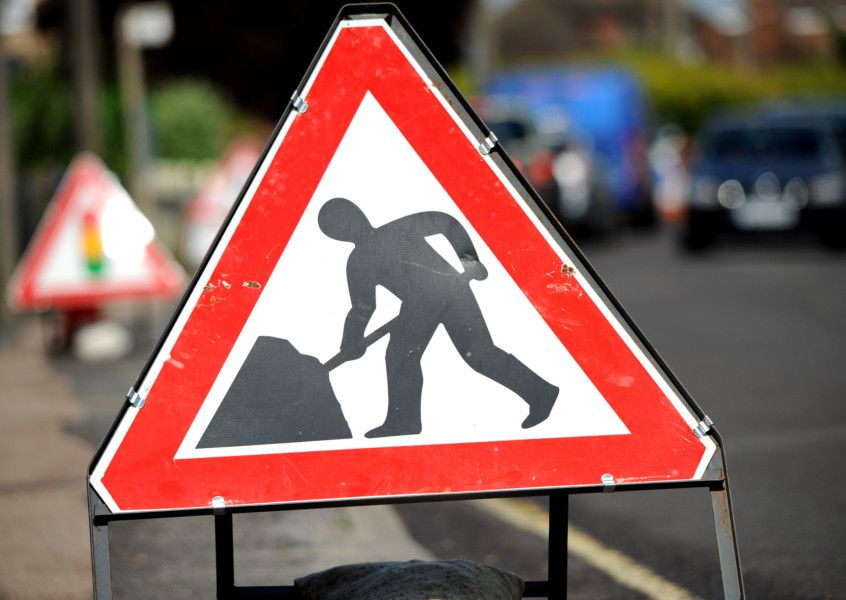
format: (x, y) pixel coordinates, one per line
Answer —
(554, 588)
(715, 478)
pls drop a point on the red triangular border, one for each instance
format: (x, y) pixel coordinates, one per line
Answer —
(141, 473)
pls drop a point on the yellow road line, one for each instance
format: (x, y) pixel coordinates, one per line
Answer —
(618, 566)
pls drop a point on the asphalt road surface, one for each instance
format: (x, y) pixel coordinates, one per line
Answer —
(756, 334)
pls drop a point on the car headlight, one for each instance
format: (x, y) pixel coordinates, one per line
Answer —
(730, 194)
(827, 190)
(796, 193)
(703, 192)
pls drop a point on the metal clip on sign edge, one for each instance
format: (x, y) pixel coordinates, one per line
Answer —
(134, 398)
(298, 102)
(488, 144)
(703, 427)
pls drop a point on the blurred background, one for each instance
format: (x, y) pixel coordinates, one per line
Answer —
(695, 149)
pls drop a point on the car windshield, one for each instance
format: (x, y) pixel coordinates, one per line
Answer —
(767, 143)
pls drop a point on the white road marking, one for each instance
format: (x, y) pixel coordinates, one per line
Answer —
(620, 567)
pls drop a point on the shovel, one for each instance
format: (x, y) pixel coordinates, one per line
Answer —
(281, 396)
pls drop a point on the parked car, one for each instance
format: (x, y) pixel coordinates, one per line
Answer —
(562, 172)
(763, 172)
(603, 111)
(830, 112)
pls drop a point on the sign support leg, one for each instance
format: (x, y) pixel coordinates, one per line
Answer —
(224, 554)
(727, 543)
(100, 562)
(559, 516)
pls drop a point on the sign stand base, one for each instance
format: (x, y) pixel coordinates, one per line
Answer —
(559, 517)
(727, 542)
(554, 588)
(224, 556)
(101, 563)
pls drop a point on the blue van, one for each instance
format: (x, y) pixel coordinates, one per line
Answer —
(604, 108)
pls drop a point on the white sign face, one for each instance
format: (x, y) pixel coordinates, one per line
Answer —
(307, 299)
(125, 234)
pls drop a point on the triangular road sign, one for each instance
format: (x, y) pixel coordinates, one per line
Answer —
(207, 209)
(389, 312)
(92, 245)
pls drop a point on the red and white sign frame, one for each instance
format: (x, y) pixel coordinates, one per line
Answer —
(136, 469)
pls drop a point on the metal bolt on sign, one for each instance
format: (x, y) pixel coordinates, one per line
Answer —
(488, 144)
(703, 427)
(299, 104)
(134, 398)
(218, 505)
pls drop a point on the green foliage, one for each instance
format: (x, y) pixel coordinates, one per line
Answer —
(111, 122)
(687, 93)
(191, 120)
(463, 79)
(41, 112)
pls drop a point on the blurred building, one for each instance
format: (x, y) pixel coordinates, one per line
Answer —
(769, 31)
(538, 28)
(731, 31)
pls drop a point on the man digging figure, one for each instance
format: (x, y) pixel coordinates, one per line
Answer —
(398, 257)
